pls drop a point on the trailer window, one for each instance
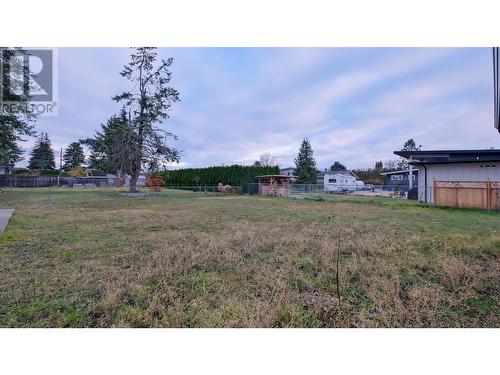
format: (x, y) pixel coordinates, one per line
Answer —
(332, 181)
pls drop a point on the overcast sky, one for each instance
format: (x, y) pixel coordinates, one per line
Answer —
(355, 105)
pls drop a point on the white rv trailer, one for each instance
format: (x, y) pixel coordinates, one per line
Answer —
(340, 181)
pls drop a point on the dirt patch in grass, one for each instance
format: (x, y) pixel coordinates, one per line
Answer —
(184, 259)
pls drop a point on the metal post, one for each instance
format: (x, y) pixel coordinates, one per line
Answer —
(434, 191)
(410, 176)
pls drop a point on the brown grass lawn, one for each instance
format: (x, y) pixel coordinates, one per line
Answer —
(184, 259)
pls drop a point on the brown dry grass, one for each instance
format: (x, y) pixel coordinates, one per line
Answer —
(182, 259)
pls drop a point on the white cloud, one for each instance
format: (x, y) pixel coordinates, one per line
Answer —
(355, 105)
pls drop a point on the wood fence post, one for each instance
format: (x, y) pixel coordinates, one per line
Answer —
(488, 194)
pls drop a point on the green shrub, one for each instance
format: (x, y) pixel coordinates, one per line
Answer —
(21, 171)
(49, 172)
(235, 175)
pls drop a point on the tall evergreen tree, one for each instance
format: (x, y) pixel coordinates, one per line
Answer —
(13, 127)
(305, 165)
(114, 147)
(148, 104)
(73, 156)
(42, 156)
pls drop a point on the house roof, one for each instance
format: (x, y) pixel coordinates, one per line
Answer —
(450, 156)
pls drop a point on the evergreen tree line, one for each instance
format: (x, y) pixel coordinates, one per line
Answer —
(235, 175)
(42, 156)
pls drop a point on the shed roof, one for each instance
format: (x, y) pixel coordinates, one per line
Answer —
(275, 175)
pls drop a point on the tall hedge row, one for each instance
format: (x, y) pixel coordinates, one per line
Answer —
(235, 175)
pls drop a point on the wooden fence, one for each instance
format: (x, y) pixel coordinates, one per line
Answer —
(467, 194)
(274, 189)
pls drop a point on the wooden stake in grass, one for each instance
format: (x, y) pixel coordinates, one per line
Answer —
(337, 274)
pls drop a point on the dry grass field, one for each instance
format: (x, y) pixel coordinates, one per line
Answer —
(182, 259)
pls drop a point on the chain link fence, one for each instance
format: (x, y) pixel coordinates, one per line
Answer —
(52, 181)
(398, 191)
(104, 184)
(293, 190)
(96, 182)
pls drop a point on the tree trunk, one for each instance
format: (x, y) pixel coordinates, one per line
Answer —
(133, 179)
(120, 179)
(137, 170)
(133, 183)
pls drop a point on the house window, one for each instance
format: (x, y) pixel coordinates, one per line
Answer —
(332, 181)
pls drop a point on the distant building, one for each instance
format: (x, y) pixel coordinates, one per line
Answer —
(320, 176)
(288, 172)
(4, 170)
(400, 178)
(452, 166)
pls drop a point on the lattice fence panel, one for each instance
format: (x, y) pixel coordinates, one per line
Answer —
(461, 184)
(495, 184)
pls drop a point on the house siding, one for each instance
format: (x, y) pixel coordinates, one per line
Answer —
(455, 172)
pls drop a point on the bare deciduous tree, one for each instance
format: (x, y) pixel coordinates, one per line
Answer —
(267, 160)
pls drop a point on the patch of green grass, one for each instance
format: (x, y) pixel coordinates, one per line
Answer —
(47, 313)
(325, 283)
(73, 318)
(298, 283)
(294, 315)
(483, 304)
(29, 311)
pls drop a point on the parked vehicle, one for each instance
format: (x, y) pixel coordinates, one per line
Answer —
(340, 181)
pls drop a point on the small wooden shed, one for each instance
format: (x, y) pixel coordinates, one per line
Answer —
(274, 184)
